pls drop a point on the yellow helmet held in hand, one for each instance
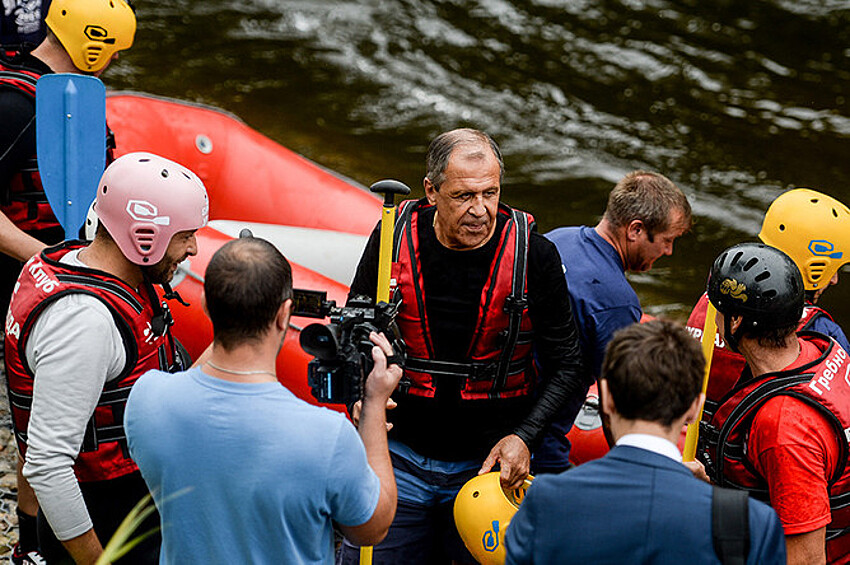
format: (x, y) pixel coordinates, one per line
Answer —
(483, 510)
(811, 228)
(92, 31)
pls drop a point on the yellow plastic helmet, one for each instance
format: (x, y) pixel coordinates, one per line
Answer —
(92, 31)
(813, 229)
(483, 510)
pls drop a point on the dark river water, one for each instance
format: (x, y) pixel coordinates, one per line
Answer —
(735, 101)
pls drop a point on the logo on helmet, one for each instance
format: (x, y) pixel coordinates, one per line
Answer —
(824, 248)
(490, 541)
(143, 211)
(734, 289)
(97, 33)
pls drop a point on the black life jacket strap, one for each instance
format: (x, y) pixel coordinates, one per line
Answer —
(116, 398)
(730, 525)
(517, 302)
(470, 371)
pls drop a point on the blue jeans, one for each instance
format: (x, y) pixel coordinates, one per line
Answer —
(423, 531)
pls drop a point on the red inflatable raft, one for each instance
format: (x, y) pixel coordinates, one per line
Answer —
(319, 220)
(248, 176)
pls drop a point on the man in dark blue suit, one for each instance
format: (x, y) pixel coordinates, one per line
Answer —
(639, 503)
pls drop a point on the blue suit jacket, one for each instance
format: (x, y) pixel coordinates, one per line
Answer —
(631, 506)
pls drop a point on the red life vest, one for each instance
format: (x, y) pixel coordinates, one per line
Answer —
(821, 383)
(27, 206)
(143, 323)
(500, 363)
(726, 365)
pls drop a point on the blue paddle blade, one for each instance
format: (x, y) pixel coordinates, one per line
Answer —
(70, 144)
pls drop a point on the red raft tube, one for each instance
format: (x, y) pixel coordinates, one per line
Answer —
(248, 176)
(194, 329)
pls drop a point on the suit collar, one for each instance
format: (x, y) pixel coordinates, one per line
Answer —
(640, 456)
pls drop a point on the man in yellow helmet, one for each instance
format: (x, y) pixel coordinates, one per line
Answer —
(814, 230)
(83, 36)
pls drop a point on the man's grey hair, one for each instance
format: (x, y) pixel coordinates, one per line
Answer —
(441, 148)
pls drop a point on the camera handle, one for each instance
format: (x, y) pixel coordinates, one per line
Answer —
(389, 188)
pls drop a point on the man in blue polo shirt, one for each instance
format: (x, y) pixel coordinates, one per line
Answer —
(646, 212)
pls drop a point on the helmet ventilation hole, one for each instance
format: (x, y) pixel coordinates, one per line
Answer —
(814, 200)
(64, 12)
(770, 293)
(164, 173)
(104, 189)
(185, 175)
(750, 264)
(145, 160)
(762, 276)
(737, 256)
(834, 213)
(144, 237)
(781, 227)
(475, 494)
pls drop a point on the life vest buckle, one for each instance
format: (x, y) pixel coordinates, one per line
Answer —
(482, 372)
(515, 304)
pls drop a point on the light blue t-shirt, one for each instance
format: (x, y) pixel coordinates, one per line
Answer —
(246, 473)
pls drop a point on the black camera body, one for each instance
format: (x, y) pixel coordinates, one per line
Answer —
(342, 350)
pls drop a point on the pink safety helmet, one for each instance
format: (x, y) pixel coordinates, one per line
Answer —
(144, 199)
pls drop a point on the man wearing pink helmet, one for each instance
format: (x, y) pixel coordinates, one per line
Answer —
(84, 323)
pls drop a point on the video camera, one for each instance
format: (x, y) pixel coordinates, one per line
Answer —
(342, 350)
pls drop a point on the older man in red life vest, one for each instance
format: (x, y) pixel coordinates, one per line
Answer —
(781, 433)
(479, 287)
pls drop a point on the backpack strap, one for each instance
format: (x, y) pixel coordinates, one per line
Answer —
(730, 525)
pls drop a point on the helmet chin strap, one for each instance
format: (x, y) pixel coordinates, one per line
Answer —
(171, 294)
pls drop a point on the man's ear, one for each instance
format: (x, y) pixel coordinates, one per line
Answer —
(283, 315)
(734, 323)
(204, 303)
(430, 190)
(634, 230)
(606, 401)
(692, 414)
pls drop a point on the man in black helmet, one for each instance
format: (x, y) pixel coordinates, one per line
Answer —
(781, 433)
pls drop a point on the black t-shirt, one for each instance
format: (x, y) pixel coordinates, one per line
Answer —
(447, 427)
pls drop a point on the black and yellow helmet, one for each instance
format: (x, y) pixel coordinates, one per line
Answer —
(758, 282)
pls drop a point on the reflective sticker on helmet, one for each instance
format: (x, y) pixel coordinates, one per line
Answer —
(734, 289)
(824, 248)
(490, 540)
(143, 211)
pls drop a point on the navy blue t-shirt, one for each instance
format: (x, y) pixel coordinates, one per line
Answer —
(603, 301)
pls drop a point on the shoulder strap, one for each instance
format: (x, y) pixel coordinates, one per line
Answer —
(730, 525)
(517, 300)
